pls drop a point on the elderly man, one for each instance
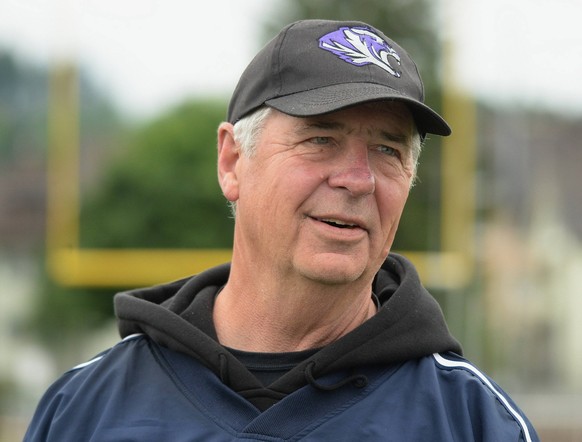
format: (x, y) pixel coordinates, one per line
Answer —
(314, 331)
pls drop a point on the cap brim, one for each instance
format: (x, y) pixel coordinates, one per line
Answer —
(335, 97)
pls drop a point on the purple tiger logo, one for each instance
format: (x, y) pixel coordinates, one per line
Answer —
(360, 46)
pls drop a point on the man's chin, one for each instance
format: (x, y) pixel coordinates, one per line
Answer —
(332, 270)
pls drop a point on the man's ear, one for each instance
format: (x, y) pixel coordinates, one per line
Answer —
(228, 156)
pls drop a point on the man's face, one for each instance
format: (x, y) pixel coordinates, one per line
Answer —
(322, 196)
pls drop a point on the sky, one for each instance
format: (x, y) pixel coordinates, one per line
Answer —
(150, 54)
(525, 51)
(147, 54)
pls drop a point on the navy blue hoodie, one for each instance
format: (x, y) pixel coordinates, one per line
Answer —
(397, 377)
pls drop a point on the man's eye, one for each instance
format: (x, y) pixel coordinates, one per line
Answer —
(320, 140)
(389, 151)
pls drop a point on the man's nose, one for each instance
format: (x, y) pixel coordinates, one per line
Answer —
(353, 172)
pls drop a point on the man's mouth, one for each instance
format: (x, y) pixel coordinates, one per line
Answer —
(338, 223)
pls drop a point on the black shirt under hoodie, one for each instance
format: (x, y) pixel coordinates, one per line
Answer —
(178, 315)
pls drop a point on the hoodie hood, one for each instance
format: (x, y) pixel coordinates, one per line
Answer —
(408, 325)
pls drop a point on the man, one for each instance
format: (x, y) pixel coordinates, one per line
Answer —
(313, 332)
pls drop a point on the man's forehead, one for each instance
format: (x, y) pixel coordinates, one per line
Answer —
(386, 116)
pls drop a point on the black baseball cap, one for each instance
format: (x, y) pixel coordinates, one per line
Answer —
(313, 67)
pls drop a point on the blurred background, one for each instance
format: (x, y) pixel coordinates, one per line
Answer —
(108, 115)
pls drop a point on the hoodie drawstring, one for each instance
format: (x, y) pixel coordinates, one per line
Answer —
(357, 380)
(223, 368)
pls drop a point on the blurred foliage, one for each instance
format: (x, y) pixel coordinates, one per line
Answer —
(23, 101)
(65, 314)
(162, 190)
(23, 110)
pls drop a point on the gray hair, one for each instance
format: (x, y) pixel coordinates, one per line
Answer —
(248, 129)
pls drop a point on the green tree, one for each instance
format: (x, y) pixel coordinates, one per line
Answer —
(161, 190)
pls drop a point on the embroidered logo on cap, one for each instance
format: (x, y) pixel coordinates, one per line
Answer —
(360, 46)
